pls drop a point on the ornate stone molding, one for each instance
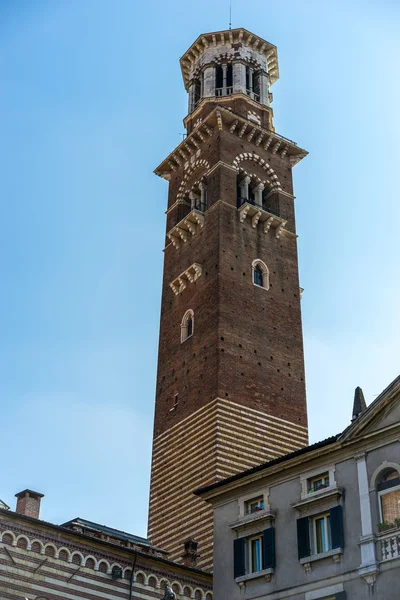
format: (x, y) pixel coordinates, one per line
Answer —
(190, 275)
(189, 225)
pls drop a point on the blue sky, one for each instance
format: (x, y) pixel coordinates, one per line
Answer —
(91, 101)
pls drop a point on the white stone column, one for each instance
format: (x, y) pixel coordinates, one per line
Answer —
(258, 190)
(203, 194)
(244, 188)
(193, 199)
(251, 72)
(239, 78)
(369, 567)
(191, 97)
(264, 88)
(224, 74)
(209, 82)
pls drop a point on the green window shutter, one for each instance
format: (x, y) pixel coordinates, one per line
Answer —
(239, 564)
(336, 521)
(303, 537)
(269, 548)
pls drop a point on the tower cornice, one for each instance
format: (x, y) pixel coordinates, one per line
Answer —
(221, 118)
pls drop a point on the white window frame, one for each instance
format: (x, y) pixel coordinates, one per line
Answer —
(249, 561)
(328, 533)
(305, 478)
(184, 325)
(258, 502)
(265, 273)
(312, 480)
(383, 493)
(242, 501)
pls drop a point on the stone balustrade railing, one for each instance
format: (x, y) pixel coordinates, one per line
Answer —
(390, 545)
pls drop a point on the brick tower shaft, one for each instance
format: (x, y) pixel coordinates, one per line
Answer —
(230, 383)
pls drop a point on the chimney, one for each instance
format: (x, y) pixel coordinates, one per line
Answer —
(190, 555)
(28, 503)
(359, 405)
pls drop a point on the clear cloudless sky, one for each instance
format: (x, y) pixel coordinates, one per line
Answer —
(91, 101)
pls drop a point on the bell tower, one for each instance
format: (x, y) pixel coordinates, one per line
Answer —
(230, 384)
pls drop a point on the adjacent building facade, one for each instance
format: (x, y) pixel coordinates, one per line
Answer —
(81, 560)
(230, 384)
(320, 523)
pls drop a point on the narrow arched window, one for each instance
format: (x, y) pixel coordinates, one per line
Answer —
(187, 325)
(260, 274)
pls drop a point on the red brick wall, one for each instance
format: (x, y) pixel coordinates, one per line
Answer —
(260, 360)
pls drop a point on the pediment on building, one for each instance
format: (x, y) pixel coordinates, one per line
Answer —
(382, 414)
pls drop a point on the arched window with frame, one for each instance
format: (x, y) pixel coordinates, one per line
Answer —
(260, 274)
(187, 325)
(388, 488)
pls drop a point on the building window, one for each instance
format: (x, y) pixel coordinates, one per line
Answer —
(320, 482)
(255, 505)
(260, 274)
(187, 325)
(254, 553)
(255, 560)
(389, 497)
(320, 533)
(322, 537)
(174, 403)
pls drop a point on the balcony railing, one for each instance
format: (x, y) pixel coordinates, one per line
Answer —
(253, 95)
(201, 206)
(390, 545)
(227, 91)
(268, 207)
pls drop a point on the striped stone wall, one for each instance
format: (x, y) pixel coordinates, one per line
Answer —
(33, 566)
(218, 440)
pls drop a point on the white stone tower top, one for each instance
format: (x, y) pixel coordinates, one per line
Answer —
(229, 62)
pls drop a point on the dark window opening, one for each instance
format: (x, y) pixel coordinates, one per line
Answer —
(247, 78)
(239, 199)
(270, 203)
(251, 194)
(190, 327)
(219, 77)
(229, 76)
(197, 92)
(258, 276)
